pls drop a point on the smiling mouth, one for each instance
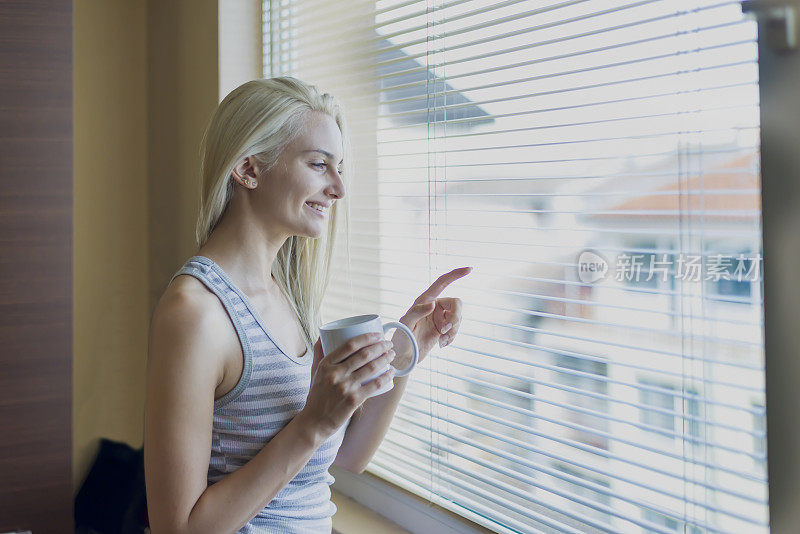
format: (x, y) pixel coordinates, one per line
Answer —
(315, 210)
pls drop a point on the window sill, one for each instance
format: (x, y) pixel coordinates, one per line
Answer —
(354, 518)
(399, 509)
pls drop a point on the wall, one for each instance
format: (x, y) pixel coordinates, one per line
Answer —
(111, 246)
(145, 83)
(183, 85)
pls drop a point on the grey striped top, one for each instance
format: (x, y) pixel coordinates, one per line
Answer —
(272, 390)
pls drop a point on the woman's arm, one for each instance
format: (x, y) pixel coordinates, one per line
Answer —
(367, 428)
(432, 320)
(183, 370)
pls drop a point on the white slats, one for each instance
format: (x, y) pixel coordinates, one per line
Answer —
(514, 136)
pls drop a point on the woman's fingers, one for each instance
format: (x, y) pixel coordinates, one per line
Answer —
(369, 369)
(353, 345)
(365, 355)
(374, 385)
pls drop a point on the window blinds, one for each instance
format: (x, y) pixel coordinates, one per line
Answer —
(598, 163)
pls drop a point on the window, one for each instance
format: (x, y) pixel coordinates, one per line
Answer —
(665, 401)
(595, 490)
(661, 408)
(669, 523)
(514, 136)
(733, 274)
(641, 267)
(587, 412)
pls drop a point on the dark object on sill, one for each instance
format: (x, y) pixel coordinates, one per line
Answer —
(112, 498)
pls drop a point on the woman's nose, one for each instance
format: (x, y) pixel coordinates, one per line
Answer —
(337, 186)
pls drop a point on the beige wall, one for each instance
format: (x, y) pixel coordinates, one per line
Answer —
(110, 225)
(183, 91)
(145, 83)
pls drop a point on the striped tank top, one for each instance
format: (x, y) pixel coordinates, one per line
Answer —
(273, 388)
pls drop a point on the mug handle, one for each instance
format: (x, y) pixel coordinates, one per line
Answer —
(415, 356)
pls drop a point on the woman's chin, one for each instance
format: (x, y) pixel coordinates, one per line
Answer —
(314, 233)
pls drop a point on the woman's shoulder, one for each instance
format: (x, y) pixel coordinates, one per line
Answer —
(186, 296)
(188, 316)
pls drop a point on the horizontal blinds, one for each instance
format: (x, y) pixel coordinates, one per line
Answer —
(518, 136)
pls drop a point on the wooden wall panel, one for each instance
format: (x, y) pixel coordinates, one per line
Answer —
(36, 265)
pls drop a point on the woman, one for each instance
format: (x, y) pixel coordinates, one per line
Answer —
(243, 417)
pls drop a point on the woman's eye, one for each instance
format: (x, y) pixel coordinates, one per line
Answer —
(323, 165)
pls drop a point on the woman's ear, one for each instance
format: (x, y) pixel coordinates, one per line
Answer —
(245, 172)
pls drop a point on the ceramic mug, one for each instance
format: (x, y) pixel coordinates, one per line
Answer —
(334, 334)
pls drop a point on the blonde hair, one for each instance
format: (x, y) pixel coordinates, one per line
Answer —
(259, 118)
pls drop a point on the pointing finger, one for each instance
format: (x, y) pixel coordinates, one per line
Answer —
(442, 282)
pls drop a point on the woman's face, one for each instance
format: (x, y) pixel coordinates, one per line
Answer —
(308, 170)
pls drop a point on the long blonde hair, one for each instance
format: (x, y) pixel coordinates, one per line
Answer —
(259, 118)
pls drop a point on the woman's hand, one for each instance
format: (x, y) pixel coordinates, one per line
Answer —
(428, 318)
(336, 390)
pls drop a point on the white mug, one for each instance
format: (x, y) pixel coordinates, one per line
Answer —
(334, 334)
